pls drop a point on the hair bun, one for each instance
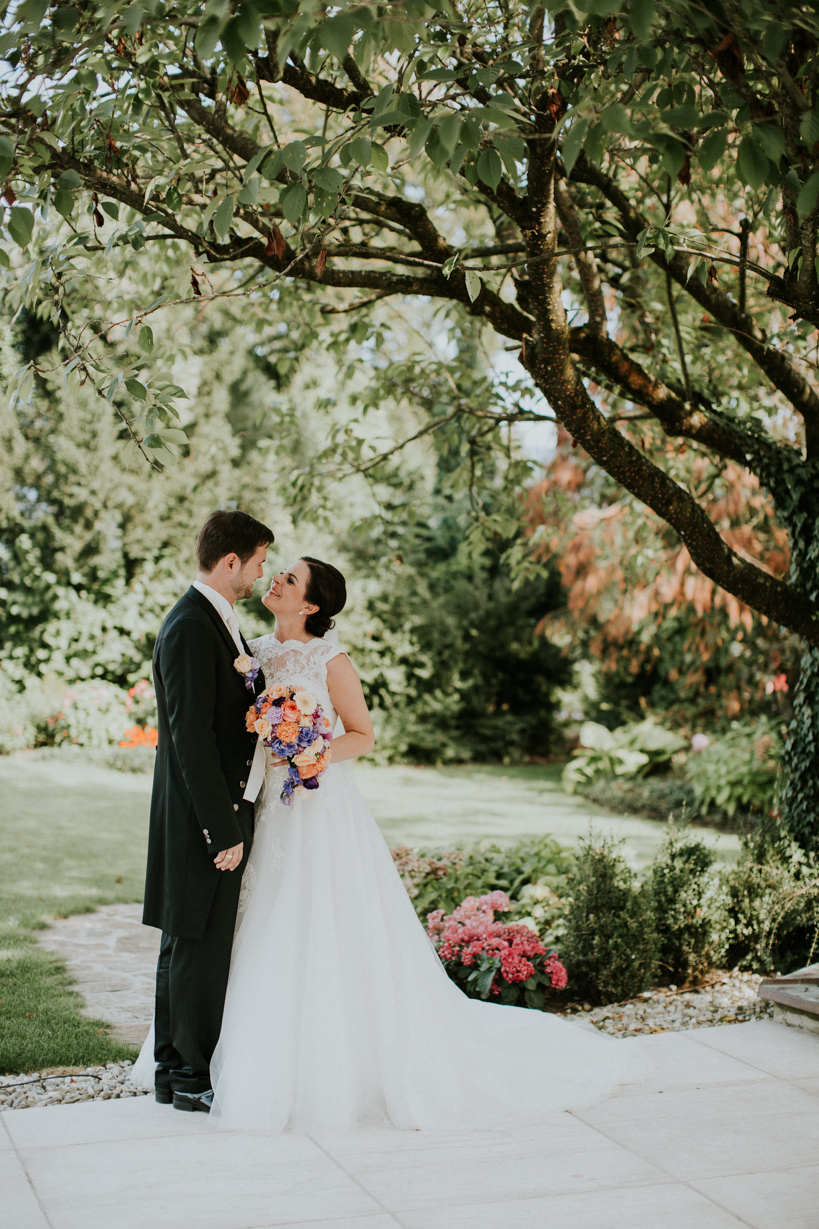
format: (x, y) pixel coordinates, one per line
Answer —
(327, 589)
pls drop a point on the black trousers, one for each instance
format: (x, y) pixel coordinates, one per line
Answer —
(191, 980)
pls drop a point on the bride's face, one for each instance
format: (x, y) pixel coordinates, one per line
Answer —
(286, 596)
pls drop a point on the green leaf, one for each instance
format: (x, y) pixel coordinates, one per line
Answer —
(361, 151)
(489, 167)
(173, 435)
(641, 17)
(772, 140)
(249, 26)
(153, 441)
(112, 209)
(681, 117)
(146, 339)
(294, 202)
(69, 181)
(6, 156)
(573, 143)
(294, 156)
(249, 194)
(473, 284)
(63, 202)
(32, 12)
(808, 196)
(616, 119)
(712, 149)
(809, 127)
(449, 131)
(223, 217)
(328, 178)
(233, 42)
(752, 163)
(380, 157)
(672, 152)
(21, 225)
(511, 149)
(207, 36)
(337, 33)
(132, 18)
(136, 389)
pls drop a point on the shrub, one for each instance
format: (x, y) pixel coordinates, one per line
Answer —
(610, 944)
(771, 903)
(665, 796)
(490, 959)
(17, 723)
(629, 751)
(443, 879)
(89, 715)
(686, 906)
(737, 770)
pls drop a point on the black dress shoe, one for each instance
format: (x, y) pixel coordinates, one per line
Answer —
(163, 1095)
(192, 1101)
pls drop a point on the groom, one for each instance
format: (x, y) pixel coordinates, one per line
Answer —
(201, 826)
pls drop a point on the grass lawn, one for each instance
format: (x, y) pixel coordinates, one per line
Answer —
(74, 837)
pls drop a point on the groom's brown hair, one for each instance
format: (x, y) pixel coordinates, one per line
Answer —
(230, 533)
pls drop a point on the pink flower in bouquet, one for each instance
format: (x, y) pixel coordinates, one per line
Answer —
(290, 711)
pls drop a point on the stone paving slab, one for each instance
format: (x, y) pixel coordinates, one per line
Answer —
(715, 1137)
(112, 958)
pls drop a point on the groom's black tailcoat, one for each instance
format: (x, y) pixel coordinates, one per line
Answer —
(203, 760)
(204, 755)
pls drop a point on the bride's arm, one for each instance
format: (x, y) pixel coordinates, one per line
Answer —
(344, 686)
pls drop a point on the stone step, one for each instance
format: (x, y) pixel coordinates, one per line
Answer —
(795, 997)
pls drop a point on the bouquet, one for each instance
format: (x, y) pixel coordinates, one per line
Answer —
(291, 722)
(486, 957)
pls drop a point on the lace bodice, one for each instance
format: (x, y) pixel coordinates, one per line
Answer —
(298, 662)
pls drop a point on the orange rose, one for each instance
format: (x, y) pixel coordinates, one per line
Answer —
(309, 770)
(275, 691)
(287, 731)
(290, 711)
(325, 723)
(250, 720)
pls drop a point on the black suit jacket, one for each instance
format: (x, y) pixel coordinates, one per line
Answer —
(203, 759)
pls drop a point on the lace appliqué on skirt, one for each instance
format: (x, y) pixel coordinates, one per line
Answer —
(249, 881)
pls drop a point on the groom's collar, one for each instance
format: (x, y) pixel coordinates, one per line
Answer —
(216, 599)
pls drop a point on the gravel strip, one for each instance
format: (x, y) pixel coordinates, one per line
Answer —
(86, 1084)
(729, 998)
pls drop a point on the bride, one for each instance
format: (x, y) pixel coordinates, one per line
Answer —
(338, 1010)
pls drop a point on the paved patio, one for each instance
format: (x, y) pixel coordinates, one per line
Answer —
(724, 1131)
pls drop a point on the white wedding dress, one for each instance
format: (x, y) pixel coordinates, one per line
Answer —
(338, 1010)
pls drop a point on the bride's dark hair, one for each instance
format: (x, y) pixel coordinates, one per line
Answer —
(326, 589)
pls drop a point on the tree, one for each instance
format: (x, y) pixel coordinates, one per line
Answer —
(665, 637)
(522, 165)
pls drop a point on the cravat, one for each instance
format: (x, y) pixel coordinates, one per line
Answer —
(233, 628)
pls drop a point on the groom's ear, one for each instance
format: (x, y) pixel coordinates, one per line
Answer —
(231, 562)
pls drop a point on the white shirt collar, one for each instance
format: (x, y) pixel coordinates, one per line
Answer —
(220, 603)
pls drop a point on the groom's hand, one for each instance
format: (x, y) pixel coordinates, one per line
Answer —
(229, 859)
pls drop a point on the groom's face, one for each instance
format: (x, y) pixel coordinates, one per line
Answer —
(246, 574)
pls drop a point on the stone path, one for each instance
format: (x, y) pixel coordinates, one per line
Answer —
(112, 958)
(722, 1133)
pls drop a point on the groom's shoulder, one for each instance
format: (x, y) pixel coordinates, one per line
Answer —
(188, 608)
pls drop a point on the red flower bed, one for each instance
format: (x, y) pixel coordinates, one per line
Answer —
(488, 958)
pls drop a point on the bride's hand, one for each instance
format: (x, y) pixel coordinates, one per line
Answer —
(275, 761)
